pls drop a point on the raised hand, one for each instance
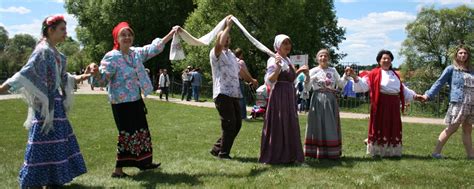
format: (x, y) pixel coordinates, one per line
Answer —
(176, 29)
(278, 61)
(304, 69)
(228, 21)
(349, 72)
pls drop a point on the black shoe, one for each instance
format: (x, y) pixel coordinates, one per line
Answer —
(150, 166)
(116, 175)
(214, 153)
(224, 156)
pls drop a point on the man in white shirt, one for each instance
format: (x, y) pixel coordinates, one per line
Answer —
(226, 91)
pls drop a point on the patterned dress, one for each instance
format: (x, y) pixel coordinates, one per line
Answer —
(459, 112)
(52, 155)
(127, 79)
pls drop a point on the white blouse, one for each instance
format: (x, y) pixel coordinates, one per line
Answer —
(390, 84)
(327, 78)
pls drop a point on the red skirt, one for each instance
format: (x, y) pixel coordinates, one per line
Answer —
(385, 128)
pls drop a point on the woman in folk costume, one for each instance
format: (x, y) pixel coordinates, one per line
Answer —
(281, 141)
(323, 130)
(387, 93)
(123, 70)
(52, 155)
(460, 77)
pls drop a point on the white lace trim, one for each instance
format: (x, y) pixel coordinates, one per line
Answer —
(385, 150)
(69, 92)
(36, 100)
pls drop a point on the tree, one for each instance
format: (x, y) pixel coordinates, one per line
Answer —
(3, 38)
(3, 57)
(69, 47)
(311, 25)
(17, 52)
(148, 19)
(432, 35)
(429, 46)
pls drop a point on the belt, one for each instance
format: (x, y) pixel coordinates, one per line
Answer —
(391, 94)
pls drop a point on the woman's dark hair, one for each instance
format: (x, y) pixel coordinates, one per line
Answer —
(45, 26)
(381, 53)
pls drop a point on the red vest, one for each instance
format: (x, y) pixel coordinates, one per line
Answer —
(375, 77)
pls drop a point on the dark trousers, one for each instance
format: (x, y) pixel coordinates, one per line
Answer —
(196, 90)
(164, 90)
(186, 91)
(231, 122)
(243, 102)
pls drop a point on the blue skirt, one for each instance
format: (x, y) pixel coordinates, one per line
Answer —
(53, 158)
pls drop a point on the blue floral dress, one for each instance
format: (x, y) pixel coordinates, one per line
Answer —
(52, 155)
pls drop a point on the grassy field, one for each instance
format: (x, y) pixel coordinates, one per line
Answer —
(182, 136)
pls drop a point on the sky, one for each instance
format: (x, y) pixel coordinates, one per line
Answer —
(371, 25)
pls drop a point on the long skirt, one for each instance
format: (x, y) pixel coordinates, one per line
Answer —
(323, 130)
(385, 128)
(281, 141)
(51, 158)
(134, 147)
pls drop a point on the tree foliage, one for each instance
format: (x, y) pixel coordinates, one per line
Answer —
(311, 25)
(3, 38)
(148, 19)
(432, 36)
(429, 46)
(16, 53)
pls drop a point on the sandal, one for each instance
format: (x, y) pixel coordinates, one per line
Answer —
(116, 175)
(150, 166)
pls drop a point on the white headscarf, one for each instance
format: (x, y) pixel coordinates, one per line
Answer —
(276, 45)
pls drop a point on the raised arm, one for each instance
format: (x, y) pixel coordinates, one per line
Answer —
(222, 36)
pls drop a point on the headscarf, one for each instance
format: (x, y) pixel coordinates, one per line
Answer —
(116, 31)
(276, 45)
(279, 40)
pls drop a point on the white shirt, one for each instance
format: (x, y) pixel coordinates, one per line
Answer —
(162, 80)
(225, 74)
(390, 84)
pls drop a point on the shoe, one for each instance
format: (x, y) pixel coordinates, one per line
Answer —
(116, 175)
(437, 156)
(214, 153)
(150, 166)
(366, 141)
(224, 156)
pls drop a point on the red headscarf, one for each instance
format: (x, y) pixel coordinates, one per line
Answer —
(116, 30)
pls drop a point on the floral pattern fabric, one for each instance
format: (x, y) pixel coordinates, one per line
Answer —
(125, 73)
(135, 143)
(225, 74)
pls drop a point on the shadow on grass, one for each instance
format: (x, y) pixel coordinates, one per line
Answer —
(246, 159)
(72, 186)
(152, 179)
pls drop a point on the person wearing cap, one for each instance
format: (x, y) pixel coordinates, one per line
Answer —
(52, 155)
(281, 141)
(123, 70)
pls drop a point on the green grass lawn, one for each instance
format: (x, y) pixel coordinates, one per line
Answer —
(182, 136)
